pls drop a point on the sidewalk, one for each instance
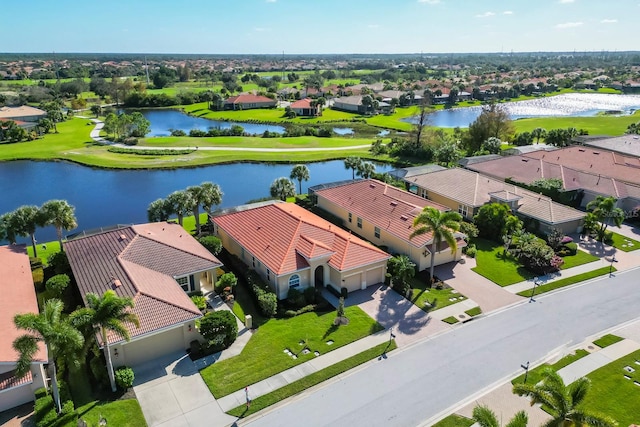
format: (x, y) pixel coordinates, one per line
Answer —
(598, 359)
(298, 372)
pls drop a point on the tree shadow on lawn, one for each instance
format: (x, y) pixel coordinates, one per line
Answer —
(596, 248)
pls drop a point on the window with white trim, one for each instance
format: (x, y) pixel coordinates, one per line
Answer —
(184, 283)
(462, 210)
(376, 232)
(424, 193)
(294, 281)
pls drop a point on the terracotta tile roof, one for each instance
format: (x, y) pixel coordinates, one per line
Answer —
(141, 262)
(21, 111)
(302, 103)
(9, 380)
(248, 99)
(382, 205)
(473, 189)
(18, 297)
(280, 235)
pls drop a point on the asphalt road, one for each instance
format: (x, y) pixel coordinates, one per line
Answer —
(416, 384)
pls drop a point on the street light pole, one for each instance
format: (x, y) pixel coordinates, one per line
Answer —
(533, 290)
(613, 259)
(391, 335)
(526, 371)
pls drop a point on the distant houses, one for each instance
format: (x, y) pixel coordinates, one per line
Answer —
(306, 107)
(23, 113)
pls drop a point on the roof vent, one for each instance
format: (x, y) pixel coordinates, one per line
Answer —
(404, 217)
(394, 203)
(372, 185)
(596, 153)
(122, 237)
(582, 150)
(525, 160)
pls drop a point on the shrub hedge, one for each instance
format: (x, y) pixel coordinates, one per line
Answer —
(124, 377)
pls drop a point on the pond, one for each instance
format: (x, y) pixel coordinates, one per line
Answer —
(568, 105)
(343, 131)
(163, 120)
(105, 197)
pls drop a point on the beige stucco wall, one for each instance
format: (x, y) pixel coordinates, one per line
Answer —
(16, 396)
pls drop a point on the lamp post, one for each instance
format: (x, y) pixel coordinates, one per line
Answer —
(391, 335)
(613, 259)
(526, 371)
(533, 290)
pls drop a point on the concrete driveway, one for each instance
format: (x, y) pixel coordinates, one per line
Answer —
(172, 393)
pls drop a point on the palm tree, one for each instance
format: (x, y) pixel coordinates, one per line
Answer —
(485, 417)
(539, 133)
(108, 313)
(206, 195)
(603, 211)
(158, 210)
(352, 163)
(24, 222)
(180, 203)
(61, 215)
(7, 231)
(49, 327)
(562, 401)
(366, 169)
(282, 188)
(401, 269)
(300, 173)
(441, 225)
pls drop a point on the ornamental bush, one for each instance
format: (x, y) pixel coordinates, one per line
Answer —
(212, 243)
(124, 377)
(57, 284)
(219, 326)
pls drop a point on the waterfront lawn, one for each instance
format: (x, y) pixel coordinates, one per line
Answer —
(535, 374)
(493, 263)
(436, 298)
(44, 254)
(264, 354)
(270, 115)
(315, 378)
(255, 142)
(557, 284)
(595, 125)
(625, 244)
(614, 395)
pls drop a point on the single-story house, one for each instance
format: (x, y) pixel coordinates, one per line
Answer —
(18, 297)
(351, 104)
(306, 107)
(22, 113)
(466, 191)
(248, 102)
(156, 264)
(628, 144)
(384, 215)
(292, 248)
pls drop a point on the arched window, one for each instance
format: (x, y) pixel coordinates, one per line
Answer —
(294, 281)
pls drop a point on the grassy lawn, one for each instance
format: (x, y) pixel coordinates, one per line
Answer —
(556, 284)
(614, 395)
(581, 257)
(624, 243)
(454, 420)
(254, 142)
(596, 125)
(607, 340)
(452, 320)
(474, 311)
(44, 254)
(280, 394)
(493, 264)
(264, 354)
(436, 298)
(535, 374)
(118, 413)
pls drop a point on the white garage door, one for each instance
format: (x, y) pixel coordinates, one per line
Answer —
(375, 276)
(16, 397)
(352, 283)
(155, 346)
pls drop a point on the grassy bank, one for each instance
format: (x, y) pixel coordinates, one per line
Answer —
(561, 283)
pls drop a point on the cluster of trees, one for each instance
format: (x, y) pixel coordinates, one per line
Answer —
(603, 213)
(283, 187)
(125, 125)
(151, 100)
(234, 130)
(359, 167)
(11, 132)
(184, 202)
(25, 220)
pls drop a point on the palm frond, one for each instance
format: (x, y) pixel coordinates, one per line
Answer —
(520, 419)
(484, 416)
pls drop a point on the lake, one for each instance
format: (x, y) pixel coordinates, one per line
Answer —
(163, 120)
(105, 197)
(567, 105)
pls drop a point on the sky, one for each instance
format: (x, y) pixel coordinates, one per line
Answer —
(318, 26)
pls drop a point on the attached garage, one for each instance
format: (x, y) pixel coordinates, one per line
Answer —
(375, 276)
(149, 347)
(352, 283)
(15, 396)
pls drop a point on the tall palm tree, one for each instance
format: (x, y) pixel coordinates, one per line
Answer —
(51, 328)
(441, 225)
(282, 188)
(366, 169)
(108, 313)
(300, 173)
(60, 214)
(539, 133)
(563, 401)
(25, 220)
(485, 417)
(206, 195)
(604, 211)
(180, 203)
(352, 163)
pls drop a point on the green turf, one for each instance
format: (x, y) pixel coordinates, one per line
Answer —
(595, 125)
(580, 258)
(454, 420)
(474, 311)
(437, 298)
(311, 380)
(264, 354)
(607, 340)
(450, 320)
(535, 374)
(611, 394)
(118, 413)
(44, 254)
(625, 244)
(492, 263)
(556, 284)
(255, 142)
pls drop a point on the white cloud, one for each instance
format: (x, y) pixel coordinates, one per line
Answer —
(608, 21)
(507, 12)
(485, 15)
(566, 1)
(429, 1)
(568, 25)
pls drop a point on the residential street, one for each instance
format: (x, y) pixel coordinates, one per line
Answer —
(424, 381)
